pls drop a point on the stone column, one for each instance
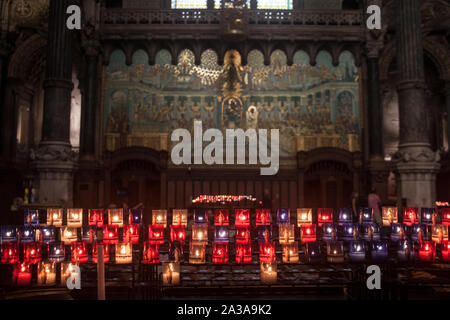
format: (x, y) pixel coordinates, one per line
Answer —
(416, 163)
(90, 101)
(447, 102)
(4, 54)
(378, 169)
(54, 160)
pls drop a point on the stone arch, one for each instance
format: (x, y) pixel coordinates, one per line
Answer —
(435, 51)
(24, 60)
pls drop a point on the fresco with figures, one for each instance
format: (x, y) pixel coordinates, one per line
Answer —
(313, 106)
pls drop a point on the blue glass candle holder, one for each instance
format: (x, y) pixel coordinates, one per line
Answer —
(56, 252)
(329, 232)
(379, 250)
(313, 252)
(426, 215)
(416, 229)
(357, 251)
(221, 234)
(135, 216)
(375, 229)
(366, 215)
(176, 252)
(405, 250)
(89, 233)
(350, 229)
(345, 215)
(200, 216)
(27, 234)
(283, 216)
(31, 217)
(9, 234)
(48, 234)
(264, 233)
(397, 231)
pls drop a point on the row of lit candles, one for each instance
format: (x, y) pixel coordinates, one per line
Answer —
(32, 252)
(290, 254)
(156, 233)
(242, 216)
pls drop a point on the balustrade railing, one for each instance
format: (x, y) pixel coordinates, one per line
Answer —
(211, 17)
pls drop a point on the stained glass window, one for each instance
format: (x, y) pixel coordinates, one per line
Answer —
(202, 4)
(217, 4)
(189, 4)
(275, 4)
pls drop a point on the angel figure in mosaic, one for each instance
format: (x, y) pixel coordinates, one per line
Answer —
(252, 117)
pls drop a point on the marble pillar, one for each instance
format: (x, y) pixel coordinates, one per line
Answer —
(55, 160)
(4, 54)
(378, 168)
(90, 101)
(447, 103)
(416, 163)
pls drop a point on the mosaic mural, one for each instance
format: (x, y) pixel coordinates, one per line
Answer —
(313, 106)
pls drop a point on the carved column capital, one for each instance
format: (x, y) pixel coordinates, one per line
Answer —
(53, 151)
(416, 154)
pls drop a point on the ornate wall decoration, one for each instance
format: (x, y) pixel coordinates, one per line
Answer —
(313, 106)
(28, 12)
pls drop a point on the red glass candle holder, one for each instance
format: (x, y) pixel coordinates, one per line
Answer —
(242, 218)
(243, 253)
(95, 217)
(32, 252)
(242, 234)
(410, 216)
(131, 233)
(22, 274)
(445, 249)
(325, 215)
(220, 252)
(446, 216)
(111, 234)
(267, 252)
(221, 217)
(427, 250)
(151, 253)
(308, 233)
(156, 233)
(263, 217)
(178, 233)
(79, 252)
(95, 253)
(10, 253)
